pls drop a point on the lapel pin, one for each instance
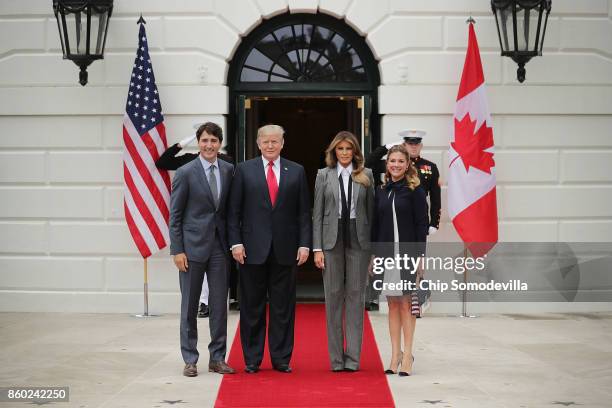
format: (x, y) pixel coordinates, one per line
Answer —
(285, 168)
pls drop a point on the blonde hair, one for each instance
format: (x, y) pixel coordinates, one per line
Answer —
(331, 160)
(270, 129)
(412, 175)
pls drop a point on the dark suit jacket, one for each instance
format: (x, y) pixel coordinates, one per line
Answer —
(253, 222)
(170, 161)
(193, 217)
(410, 210)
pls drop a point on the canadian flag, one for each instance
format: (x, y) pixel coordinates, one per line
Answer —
(472, 204)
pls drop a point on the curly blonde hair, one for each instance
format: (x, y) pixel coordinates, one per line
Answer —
(331, 160)
(412, 175)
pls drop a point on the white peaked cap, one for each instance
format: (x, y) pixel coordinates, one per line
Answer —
(412, 133)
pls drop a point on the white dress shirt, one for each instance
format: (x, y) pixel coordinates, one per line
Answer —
(346, 173)
(275, 168)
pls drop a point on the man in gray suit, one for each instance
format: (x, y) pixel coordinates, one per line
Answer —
(198, 242)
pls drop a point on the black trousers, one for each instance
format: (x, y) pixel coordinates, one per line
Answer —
(277, 282)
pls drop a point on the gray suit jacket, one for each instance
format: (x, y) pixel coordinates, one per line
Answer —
(325, 212)
(193, 216)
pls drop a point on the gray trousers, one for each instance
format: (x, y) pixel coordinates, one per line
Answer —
(191, 286)
(344, 282)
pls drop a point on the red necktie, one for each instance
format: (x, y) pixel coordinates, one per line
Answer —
(272, 183)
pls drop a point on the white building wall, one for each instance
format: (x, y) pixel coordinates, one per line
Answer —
(64, 245)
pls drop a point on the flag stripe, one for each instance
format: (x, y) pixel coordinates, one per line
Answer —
(144, 209)
(158, 134)
(159, 193)
(140, 188)
(140, 224)
(145, 155)
(158, 138)
(136, 236)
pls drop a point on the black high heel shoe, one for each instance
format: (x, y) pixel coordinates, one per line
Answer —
(405, 373)
(399, 363)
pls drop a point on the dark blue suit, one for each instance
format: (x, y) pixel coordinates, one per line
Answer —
(198, 229)
(271, 236)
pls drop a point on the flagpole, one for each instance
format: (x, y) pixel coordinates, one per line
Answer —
(146, 289)
(464, 312)
(146, 293)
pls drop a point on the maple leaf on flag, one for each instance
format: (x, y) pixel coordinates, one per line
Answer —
(471, 146)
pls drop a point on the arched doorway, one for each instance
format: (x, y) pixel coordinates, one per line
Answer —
(313, 75)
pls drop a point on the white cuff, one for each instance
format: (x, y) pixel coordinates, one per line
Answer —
(187, 140)
(235, 246)
(397, 142)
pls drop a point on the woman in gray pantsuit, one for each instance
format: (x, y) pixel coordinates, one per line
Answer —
(343, 210)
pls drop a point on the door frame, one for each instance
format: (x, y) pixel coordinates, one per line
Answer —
(236, 146)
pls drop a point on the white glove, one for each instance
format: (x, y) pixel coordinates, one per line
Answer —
(397, 142)
(432, 230)
(187, 140)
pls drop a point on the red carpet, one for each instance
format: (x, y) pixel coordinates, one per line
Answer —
(312, 383)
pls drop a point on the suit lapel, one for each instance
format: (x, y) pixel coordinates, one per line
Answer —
(224, 171)
(282, 185)
(260, 175)
(332, 174)
(356, 187)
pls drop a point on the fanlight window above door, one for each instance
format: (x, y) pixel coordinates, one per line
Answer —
(303, 53)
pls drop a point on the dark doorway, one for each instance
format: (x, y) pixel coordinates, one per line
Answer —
(310, 124)
(314, 75)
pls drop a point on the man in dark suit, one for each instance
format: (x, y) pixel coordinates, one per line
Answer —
(269, 228)
(199, 245)
(170, 160)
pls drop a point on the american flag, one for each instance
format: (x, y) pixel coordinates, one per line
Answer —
(147, 189)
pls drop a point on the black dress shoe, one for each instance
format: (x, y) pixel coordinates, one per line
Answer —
(283, 368)
(251, 369)
(203, 311)
(372, 307)
(234, 305)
